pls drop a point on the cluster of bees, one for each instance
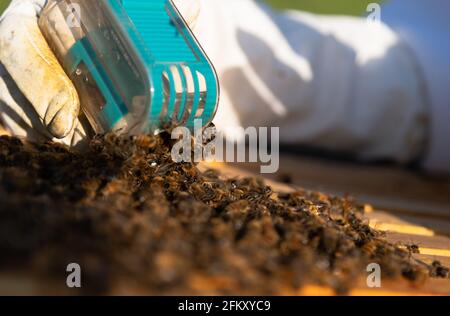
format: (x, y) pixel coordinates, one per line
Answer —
(124, 211)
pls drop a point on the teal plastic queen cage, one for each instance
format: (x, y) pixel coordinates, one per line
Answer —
(135, 64)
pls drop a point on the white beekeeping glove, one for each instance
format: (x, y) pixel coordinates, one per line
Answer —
(37, 99)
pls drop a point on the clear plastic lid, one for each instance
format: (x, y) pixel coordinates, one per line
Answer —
(92, 41)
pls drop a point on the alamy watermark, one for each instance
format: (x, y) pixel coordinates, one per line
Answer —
(74, 15)
(374, 12)
(374, 277)
(257, 145)
(73, 279)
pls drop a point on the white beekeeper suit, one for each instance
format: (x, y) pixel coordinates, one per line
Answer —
(378, 90)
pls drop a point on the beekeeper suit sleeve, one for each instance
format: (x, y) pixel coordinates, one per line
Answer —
(338, 83)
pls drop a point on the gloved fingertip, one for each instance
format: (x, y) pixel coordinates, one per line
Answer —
(60, 126)
(61, 122)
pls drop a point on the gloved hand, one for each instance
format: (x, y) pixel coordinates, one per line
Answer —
(37, 99)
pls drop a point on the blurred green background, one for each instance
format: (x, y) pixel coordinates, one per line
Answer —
(3, 4)
(355, 7)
